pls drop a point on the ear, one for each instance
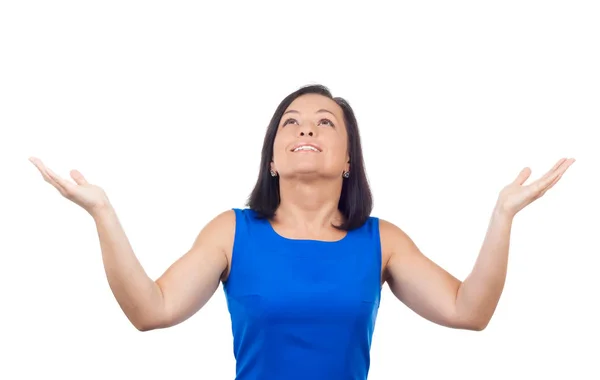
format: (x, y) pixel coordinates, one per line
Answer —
(347, 167)
(272, 167)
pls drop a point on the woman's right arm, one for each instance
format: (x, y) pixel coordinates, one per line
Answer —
(182, 290)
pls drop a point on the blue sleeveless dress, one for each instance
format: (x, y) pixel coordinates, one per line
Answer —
(302, 309)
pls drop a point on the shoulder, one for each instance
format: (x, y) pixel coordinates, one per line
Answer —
(393, 239)
(217, 237)
(218, 232)
(230, 223)
(390, 233)
(222, 222)
(227, 220)
(395, 243)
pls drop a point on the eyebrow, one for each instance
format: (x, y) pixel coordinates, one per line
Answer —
(319, 111)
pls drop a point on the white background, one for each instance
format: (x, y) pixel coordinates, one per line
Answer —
(164, 105)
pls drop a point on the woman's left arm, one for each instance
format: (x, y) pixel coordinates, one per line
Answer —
(438, 296)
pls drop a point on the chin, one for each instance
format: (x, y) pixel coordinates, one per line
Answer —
(304, 173)
(304, 167)
(308, 173)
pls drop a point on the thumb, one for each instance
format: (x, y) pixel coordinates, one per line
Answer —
(78, 177)
(522, 177)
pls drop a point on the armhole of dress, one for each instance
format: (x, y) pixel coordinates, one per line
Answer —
(378, 252)
(238, 242)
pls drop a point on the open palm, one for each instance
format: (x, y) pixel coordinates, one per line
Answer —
(89, 197)
(515, 196)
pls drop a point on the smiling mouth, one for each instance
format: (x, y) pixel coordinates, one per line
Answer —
(306, 148)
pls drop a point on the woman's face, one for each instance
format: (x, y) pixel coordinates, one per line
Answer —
(311, 139)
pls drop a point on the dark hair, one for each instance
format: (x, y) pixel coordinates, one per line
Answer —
(356, 201)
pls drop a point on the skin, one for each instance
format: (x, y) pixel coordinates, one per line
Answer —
(310, 183)
(310, 187)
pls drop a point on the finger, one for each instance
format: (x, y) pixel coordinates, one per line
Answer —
(43, 171)
(37, 163)
(541, 183)
(51, 181)
(560, 171)
(551, 185)
(566, 165)
(548, 180)
(557, 165)
(78, 177)
(552, 171)
(522, 177)
(64, 185)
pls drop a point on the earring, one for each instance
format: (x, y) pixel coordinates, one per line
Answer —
(346, 174)
(273, 173)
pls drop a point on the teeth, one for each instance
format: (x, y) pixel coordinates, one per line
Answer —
(306, 147)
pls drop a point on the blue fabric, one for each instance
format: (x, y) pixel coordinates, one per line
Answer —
(302, 309)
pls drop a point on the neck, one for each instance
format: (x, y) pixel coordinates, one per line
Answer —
(309, 205)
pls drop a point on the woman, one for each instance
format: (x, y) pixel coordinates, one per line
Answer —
(302, 267)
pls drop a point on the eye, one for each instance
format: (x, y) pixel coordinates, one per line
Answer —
(288, 121)
(327, 121)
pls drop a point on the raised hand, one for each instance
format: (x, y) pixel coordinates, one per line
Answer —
(90, 197)
(515, 196)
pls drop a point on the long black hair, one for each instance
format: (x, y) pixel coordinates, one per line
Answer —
(356, 201)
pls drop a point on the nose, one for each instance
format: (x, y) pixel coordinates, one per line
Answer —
(307, 130)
